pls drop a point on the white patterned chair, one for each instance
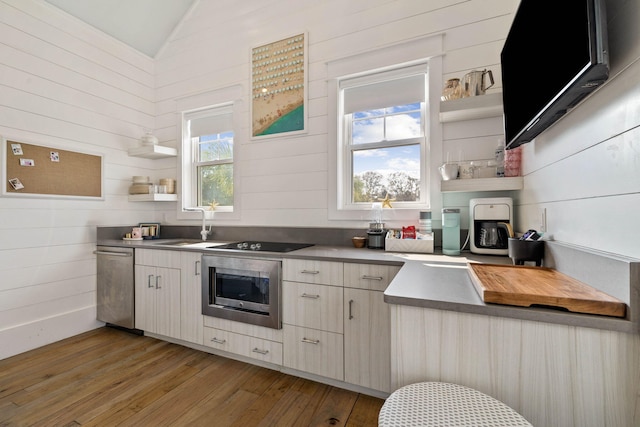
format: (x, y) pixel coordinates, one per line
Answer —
(438, 404)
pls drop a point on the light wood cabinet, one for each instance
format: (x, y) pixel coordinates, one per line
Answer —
(336, 323)
(367, 339)
(191, 318)
(367, 325)
(314, 351)
(157, 305)
(312, 306)
(157, 292)
(244, 345)
(252, 341)
(369, 276)
(311, 271)
(553, 375)
(313, 317)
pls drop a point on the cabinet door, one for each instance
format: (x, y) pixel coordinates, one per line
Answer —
(191, 319)
(158, 300)
(145, 298)
(367, 339)
(168, 302)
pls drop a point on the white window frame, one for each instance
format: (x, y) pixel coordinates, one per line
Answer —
(424, 50)
(191, 148)
(345, 156)
(188, 167)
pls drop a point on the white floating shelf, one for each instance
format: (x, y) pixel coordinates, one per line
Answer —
(153, 197)
(153, 151)
(473, 107)
(482, 184)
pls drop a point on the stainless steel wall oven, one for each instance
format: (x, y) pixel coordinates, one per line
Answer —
(242, 289)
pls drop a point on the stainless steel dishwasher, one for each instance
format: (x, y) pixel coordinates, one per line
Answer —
(115, 286)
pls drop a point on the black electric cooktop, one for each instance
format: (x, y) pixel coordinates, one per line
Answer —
(263, 246)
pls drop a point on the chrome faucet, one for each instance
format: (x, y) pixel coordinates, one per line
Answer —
(204, 232)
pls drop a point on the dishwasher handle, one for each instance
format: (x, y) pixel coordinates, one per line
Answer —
(124, 254)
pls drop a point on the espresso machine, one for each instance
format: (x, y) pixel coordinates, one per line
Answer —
(491, 225)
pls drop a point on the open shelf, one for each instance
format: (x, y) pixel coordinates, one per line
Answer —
(482, 184)
(153, 151)
(473, 107)
(153, 197)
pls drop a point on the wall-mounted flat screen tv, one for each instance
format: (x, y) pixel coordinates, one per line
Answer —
(554, 56)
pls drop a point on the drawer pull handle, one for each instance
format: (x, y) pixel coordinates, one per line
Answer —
(257, 350)
(149, 279)
(158, 282)
(310, 296)
(310, 341)
(372, 277)
(350, 309)
(310, 272)
(197, 268)
(218, 341)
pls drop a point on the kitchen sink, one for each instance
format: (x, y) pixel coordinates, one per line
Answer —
(193, 243)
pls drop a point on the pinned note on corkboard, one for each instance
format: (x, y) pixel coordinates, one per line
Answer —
(48, 171)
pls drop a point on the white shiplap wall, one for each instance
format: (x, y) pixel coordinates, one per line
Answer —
(67, 85)
(585, 170)
(284, 181)
(64, 85)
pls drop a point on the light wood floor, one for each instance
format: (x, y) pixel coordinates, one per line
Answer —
(109, 377)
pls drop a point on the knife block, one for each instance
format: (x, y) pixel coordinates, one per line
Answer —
(521, 251)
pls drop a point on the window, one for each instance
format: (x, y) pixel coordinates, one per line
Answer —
(382, 140)
(208, 138)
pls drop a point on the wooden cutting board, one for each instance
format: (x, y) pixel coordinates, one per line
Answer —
(526, 286)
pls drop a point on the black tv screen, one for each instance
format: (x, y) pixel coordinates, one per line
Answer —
(555, 55)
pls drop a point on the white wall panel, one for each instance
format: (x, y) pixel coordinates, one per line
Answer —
(584, 171)
(68, 86)
(84, 33)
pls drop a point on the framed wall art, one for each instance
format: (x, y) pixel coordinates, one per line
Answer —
(279, 88)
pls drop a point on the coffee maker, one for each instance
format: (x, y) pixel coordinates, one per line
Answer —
(490, 225)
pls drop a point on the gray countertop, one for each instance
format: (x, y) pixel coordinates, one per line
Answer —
(425, 280)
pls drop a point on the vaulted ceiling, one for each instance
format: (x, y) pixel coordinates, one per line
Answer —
(142, 24)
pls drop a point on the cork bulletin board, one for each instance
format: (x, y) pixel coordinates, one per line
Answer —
(48, 171)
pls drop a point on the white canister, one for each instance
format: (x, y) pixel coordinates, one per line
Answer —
(148, 139)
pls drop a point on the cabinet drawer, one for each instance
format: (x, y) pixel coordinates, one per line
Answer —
(369, 276)
(243, 345)
(314, 351)
(309, 271)
(158, 258)
(312, 306)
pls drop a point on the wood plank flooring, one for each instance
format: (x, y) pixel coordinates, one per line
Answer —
(108, 377)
